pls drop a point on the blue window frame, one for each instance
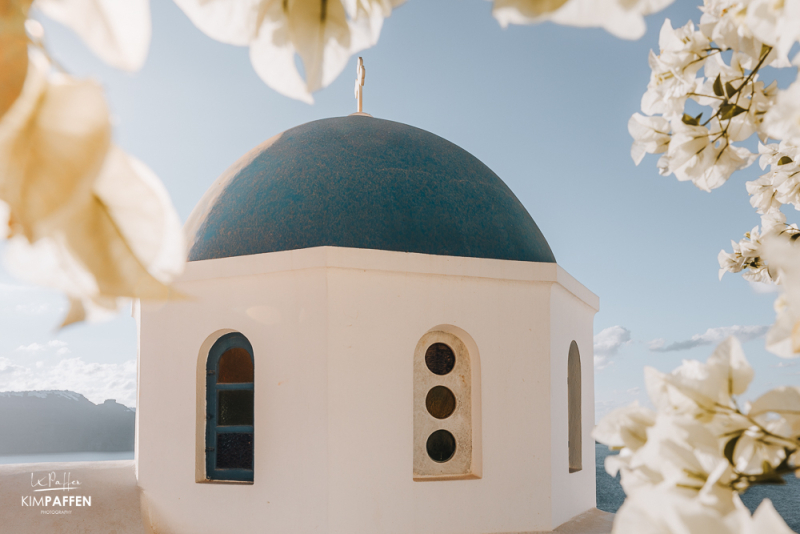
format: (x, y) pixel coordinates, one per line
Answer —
(229, 409)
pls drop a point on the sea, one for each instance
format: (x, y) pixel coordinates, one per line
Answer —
(785, 498)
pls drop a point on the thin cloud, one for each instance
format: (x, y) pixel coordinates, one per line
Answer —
(15, 288)
(33, 308)
(34, 348)
(607, 344)
(781, 365)
(712, 336)
(95, 381)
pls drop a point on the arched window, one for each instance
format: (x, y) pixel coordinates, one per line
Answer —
(229, 409)
(574, 407)
(443, 445)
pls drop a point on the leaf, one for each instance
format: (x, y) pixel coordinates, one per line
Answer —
(727, 111)
(785, 160)
(13, 51)
(691, 121)
(730, 90)
(718, 86)
(765, 49)
(730, 447)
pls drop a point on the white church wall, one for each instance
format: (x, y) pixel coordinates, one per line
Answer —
(373, 490)
(572, 319)
(283, 315)
(333, 332)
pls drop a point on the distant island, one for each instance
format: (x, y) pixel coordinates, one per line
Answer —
(34, 422)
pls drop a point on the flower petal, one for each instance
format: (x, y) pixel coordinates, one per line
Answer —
(13, 51)
(229, 21)
(52, 145)
(118, 32)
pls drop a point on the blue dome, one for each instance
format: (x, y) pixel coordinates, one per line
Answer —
(362, 182)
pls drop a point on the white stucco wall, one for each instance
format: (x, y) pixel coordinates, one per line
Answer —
(571, 320)
(333, 332)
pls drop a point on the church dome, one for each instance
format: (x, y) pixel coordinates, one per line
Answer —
(362, 182)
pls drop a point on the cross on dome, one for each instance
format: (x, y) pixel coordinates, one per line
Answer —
(359, 90)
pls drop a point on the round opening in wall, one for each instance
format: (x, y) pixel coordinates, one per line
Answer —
(440, 359)
(440, 402)
(441, 446)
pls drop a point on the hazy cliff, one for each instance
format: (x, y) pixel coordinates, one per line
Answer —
(62, 421)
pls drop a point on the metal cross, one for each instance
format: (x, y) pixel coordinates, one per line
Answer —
(360, 73)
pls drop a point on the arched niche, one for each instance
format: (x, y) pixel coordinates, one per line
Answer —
(574, 408)
(447, 437)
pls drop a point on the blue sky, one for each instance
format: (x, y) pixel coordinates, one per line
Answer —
(546, 107)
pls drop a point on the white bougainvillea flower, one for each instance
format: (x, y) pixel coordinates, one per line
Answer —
(87, 219)
(781, 185)
(124, 241)
(775, 23)
(783, 254)
(324, 33)
(624, 19)
(625, 427)
(118, 32)
(682, 52)
(699, 389)
(667, 510)
(783, 337)
(53, 142)
(758, 446)
(726, 159)
(679, 452)
(690, 150)
(664, 510)
(783, 402)
(773, 154)
(682, 466)
(765, 519)
(782, 121)
(668, 89)
(730, 25)
(701, 155)
(713, 66)
(747, 253)
(651, 135)
(687, 454)
(143, 215)
(762, 194)
(777, 414)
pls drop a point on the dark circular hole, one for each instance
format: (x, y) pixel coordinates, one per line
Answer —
(441, 446)
(440, 359)
(440, 402)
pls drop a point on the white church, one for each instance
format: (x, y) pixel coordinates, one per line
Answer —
(377, 339)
